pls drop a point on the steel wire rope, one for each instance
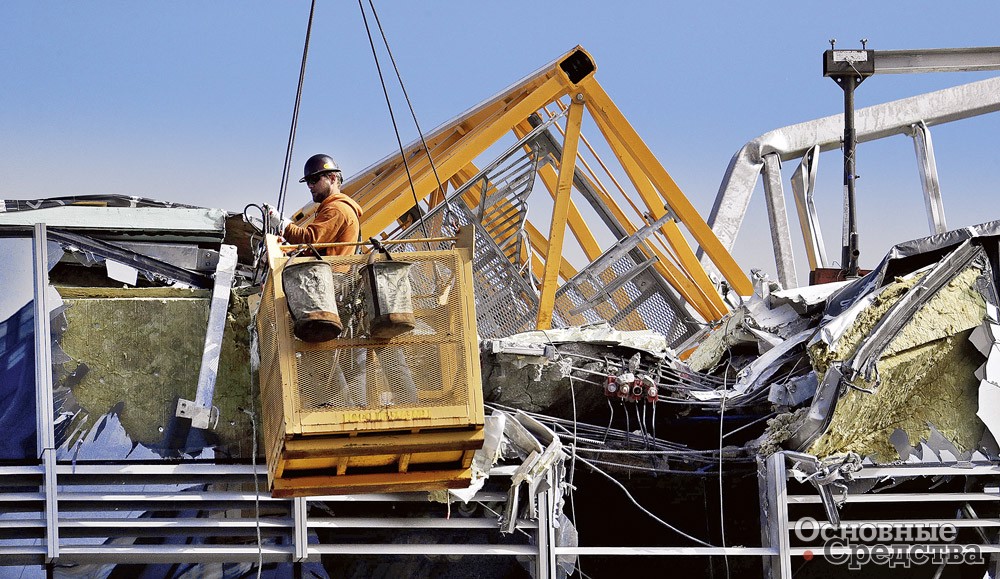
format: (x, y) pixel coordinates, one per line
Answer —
(584, 427)
(392, 115)
(572, 467)
(295, 113)
(409, 104)
(662, 470)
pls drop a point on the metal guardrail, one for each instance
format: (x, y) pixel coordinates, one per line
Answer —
(909, 512)
(212, 507)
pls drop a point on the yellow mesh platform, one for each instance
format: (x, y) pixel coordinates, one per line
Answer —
(422, 382)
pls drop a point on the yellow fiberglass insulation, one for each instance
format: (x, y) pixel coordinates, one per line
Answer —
(926, 375)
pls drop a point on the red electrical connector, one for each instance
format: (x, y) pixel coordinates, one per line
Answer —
(611, 388)
(650, 389)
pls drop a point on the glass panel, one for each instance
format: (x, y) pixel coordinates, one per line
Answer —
(17, 349)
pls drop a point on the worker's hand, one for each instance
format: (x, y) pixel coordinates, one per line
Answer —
(274, 221)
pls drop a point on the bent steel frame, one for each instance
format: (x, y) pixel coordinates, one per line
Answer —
(910, 116)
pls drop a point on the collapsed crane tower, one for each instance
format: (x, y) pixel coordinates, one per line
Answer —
(649, 279)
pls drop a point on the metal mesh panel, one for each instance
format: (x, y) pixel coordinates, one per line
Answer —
(358, 372)
(635, 304)
(505, 302)
(339, 383)
(270, 371)
(410, 375)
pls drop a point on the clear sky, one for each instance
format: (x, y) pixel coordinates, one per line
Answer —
(190, 101)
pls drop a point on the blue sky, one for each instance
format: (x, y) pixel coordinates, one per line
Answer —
(190, 101)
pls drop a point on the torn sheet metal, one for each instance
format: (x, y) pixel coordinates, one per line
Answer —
(485, 458)
(900, 337)
(829, 477)
(989, 406)
(183, 255)
(907, 257)
(805, 300)
(17, 344)
(104, 250)
(542, 453)
(833, 329)
(757, 374)
(782, 321)
(753, 326)
(795, 391)
(985, 338)
(885, 338)
(209, 223)
(120, 272)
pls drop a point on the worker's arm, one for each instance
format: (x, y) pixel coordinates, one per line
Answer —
(325, 228)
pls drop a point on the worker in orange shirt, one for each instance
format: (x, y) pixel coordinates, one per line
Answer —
(338, 220)
(338, 217)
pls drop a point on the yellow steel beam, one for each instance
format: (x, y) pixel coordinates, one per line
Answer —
(679, 279)
(378, 188)
(392, 201)
(617, 130)
(577, 224)
(540, 245)
(576, 60)
(676, 277)
(693, 269)
(583, 234)
(606, 171)
(560, 208)
(716, 308)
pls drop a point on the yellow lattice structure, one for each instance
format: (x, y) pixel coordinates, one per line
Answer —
(358, 414)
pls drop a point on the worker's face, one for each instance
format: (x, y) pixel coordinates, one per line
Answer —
(324, 186)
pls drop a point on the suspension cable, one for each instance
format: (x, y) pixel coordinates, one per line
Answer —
(295, 113)
(406, 95)
(392, 117)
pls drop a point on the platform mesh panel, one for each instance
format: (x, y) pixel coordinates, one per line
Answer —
(423, 368)
(505, 303)
(270, 372)
(409, 375)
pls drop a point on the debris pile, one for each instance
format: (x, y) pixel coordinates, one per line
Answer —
(889, 367)
(882, 366)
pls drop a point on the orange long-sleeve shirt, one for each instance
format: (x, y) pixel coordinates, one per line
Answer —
(338, 219)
